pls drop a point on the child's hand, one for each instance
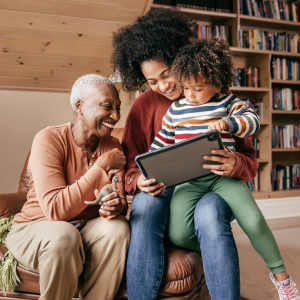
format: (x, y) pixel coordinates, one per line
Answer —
(220, 125)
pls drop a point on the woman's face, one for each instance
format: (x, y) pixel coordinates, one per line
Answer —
(100, 111)
(160, 79)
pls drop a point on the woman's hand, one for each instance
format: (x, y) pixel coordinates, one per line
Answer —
(113, 159)
(225, 157)
(150, 186)
(112, 205)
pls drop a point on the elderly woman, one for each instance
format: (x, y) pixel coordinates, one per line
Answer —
(57, 233)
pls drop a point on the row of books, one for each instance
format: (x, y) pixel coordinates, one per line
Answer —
(209, 31)
(275, 9)
(286, 98)
(256, 145)
(217, 5)
(286, 136)
(255, 184)
(285, 177)
(248, 76)
(265, 40)
(285, 68)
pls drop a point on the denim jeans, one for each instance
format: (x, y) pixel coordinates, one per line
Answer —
(146, 256)
(212, 217)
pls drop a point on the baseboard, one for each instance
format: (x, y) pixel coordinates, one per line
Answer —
(276, 208)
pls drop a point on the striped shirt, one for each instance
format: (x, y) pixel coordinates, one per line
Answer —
(183, 120)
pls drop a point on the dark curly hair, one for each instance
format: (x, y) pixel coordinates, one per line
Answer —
(210, 59)
(157, 35)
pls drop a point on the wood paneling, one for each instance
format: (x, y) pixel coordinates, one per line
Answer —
(48, 44)
(116, 10)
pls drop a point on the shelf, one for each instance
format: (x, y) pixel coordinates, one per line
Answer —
(285, 149)
(268, 22)
(263, 160)
(286, 112)
(248, 51)
(249, 89)
(291, 82)
(276, 194)
(207, 15)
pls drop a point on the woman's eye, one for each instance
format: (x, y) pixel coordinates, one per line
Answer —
(108, 107)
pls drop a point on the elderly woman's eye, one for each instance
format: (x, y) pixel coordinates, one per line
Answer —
(107, 106)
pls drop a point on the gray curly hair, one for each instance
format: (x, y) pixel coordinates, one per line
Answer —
(79, 89)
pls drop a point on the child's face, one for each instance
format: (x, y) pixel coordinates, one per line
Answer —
(198, 92)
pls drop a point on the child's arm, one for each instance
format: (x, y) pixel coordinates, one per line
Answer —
(166, 135)
(241, 121)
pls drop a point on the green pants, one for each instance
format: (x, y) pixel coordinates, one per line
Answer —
(239, 198)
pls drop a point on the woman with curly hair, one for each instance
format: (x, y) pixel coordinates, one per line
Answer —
(144, 52)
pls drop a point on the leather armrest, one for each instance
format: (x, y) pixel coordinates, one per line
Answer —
(11, 203)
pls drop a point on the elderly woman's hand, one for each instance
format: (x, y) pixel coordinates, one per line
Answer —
(113, 159)
(112, 205)
(150, 186)
(226, 159)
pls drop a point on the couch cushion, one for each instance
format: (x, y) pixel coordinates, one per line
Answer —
(184, 274)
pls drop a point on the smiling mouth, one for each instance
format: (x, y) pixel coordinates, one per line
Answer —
(169, 92)
(108, 125)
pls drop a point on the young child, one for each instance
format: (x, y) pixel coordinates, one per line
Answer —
(205, 71)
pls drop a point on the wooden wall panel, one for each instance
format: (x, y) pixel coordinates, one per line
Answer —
(48, 44)
(112, 10)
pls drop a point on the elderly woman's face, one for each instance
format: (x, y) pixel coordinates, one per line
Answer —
(101, 110)
(160, 79)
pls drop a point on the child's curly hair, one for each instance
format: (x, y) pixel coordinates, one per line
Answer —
(209, 59)
(157, 35)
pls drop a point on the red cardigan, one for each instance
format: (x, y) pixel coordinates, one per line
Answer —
(144, 121)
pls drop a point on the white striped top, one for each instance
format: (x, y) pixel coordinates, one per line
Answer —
(183, 120)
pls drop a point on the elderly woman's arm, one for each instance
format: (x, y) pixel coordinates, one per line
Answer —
(60, 200)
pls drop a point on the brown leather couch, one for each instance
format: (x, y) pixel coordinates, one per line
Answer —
(184, 278)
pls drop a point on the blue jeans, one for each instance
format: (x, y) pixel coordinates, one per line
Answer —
(212, 217)
(146, 256)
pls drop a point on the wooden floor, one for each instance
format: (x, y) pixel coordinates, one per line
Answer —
(255, 283)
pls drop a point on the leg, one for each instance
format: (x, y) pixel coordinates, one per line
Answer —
(106, 243)
(212, 219)
(146, 256)
(182, 206)
(238, 196)
(55, 250)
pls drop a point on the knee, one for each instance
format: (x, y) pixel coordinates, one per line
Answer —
(181, 235)
(146, 208)
(212, 214)
(66, 241)
(119, 231)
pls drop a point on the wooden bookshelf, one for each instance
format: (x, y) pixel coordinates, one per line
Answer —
(243, 57)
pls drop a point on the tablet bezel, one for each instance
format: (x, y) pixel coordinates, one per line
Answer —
(212, 140)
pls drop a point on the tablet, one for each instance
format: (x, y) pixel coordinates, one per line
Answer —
(180, 162)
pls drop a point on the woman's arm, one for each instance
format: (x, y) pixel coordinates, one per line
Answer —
(241, 164)
(60, 200)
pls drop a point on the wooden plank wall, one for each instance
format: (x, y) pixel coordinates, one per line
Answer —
(47, 44)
